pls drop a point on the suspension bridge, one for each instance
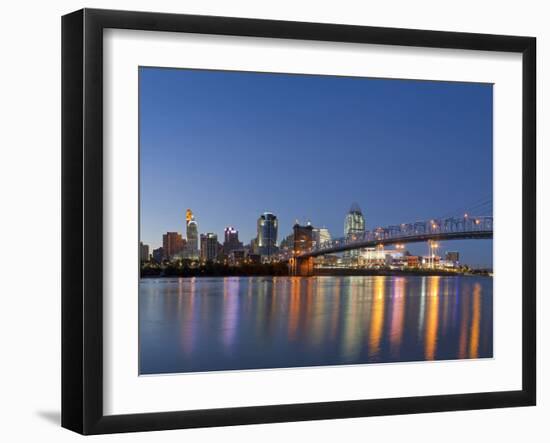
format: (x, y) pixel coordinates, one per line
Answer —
(447, 227)
(467, 227)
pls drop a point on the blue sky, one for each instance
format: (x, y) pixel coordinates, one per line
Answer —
(231, 145)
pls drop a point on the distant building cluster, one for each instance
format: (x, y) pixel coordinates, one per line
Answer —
(396, 258)
(380, 257)
(264, 247)
(206, 247)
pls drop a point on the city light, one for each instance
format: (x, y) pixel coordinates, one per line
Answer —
(314, 248)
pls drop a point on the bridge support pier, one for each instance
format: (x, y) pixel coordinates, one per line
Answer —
(301, 267)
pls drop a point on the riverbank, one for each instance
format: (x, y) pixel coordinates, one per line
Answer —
(397, 272)
(277, 270)
(215, 270)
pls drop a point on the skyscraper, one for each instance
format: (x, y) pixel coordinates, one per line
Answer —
(209, 246)
(192, 247)
(158, 255)
(320, 236)
(172, 244)
(354, 227)
(143, 252)
(266, 240)
(231, 240)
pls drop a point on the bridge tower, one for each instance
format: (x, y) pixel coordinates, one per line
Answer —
(303, 242)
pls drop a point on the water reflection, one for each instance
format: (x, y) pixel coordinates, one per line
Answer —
(377, 317)
(230, 311)
(397, 316)
(432, 318)
(186, 291)
(476, 318)
(294, 307)
(204, 324)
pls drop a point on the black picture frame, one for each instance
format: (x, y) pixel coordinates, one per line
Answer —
(82, 218)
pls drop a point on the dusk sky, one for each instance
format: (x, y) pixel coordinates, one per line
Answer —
(231, 145)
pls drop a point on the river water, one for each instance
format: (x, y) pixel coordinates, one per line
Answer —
(232, 323)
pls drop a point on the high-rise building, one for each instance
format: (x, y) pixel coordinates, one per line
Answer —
(172, 244)
(355, 221)
(209, 246)
(158, 255)
(231, 240)
(354, 228)
(143, 252)
(320, 236)
(266, 241)
(192, 231)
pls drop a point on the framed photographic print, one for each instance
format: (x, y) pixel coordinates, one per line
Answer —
(269, 221)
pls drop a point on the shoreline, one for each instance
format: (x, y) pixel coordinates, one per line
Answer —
(396, 273)
(343, 273)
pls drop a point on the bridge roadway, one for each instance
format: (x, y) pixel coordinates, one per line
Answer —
(452, 228)
(341, 245)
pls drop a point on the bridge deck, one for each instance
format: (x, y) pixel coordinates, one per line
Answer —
(341, 246)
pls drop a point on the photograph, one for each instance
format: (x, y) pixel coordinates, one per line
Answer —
(286, 219)
(295, 220)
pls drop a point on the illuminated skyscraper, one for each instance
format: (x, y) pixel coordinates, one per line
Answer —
(354, 227)
(355, 221)
(320, 236)
(266, 241)
(192, 247)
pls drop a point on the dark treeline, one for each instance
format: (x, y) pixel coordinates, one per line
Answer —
(211, 269)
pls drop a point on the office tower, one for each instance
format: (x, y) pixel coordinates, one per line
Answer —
(209, 246)
(192, 228)
(143, 252)
(231, 240)
(158, 255)
(266, 240)
(354, 228)
(172, 244)
(320, 236)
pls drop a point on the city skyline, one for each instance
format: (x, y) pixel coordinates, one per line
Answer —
(354, 223)
(224, 144)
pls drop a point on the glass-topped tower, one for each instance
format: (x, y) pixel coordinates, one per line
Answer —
(354, 227)
(267, 234)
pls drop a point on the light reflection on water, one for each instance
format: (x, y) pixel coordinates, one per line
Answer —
(208, 324)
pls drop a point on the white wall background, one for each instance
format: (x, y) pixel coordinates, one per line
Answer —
(30, 92)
